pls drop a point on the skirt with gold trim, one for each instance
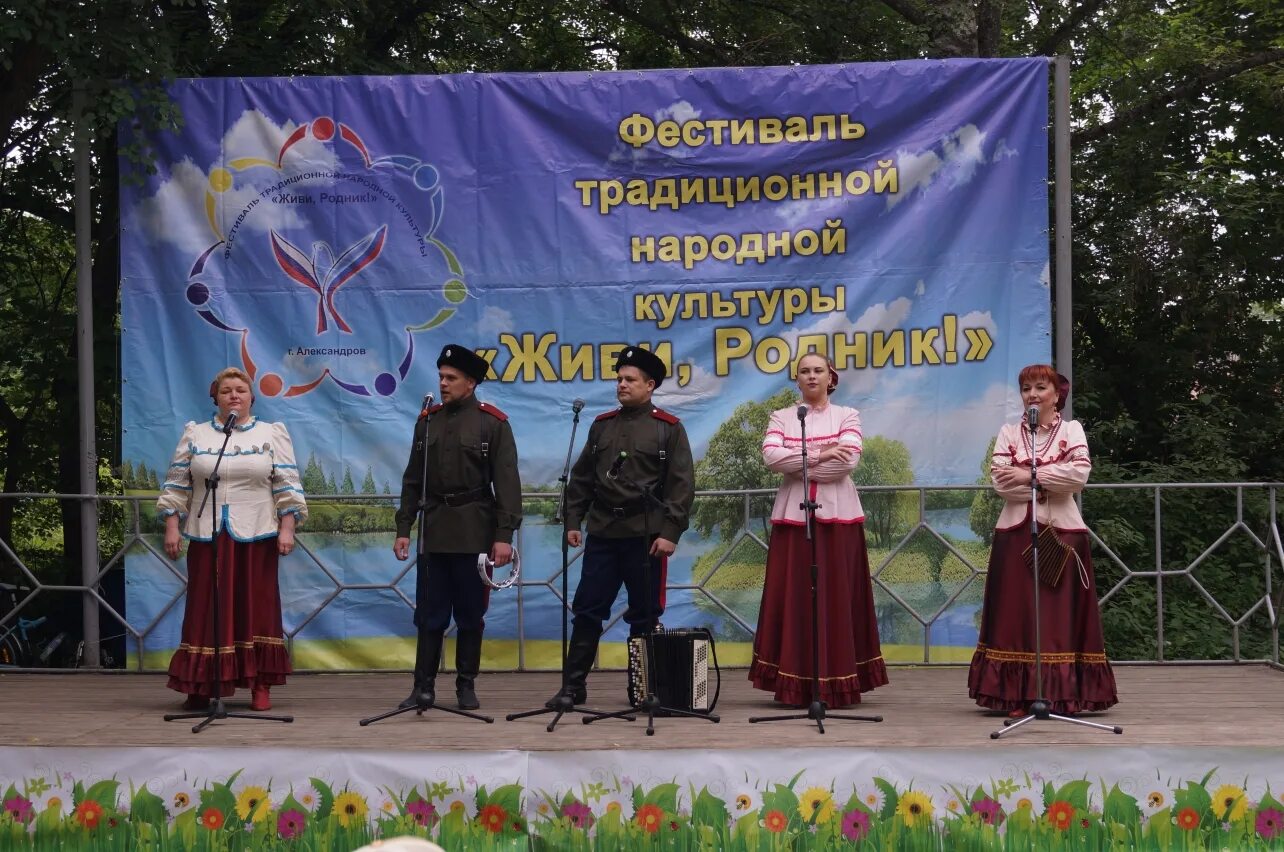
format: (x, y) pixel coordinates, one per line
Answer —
(851, 659)
(250, 649)
(1076, 674)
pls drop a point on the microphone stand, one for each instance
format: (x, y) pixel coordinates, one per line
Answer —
(651, 703)
(1039, 708)
(562, 703)
(419, 708)
(817, 710)
(216, 709)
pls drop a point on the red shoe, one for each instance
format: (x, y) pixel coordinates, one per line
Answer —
(260, 699)
(1017, 713)
(197, 702)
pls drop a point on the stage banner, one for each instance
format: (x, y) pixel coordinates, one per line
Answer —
(330, 235)
(806, 799)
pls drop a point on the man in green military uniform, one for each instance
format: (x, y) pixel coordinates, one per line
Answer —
(634, 482)
(472, 502)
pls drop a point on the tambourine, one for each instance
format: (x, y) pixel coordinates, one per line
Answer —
(484, 565)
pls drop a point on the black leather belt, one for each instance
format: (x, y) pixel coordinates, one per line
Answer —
(627, 510)
(463, 498)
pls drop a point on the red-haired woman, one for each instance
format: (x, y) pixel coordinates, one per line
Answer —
(851, 660)
(260, 500)
(1076, 674)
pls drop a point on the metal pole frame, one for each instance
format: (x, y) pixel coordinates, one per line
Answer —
(1063, 321)
(85, 380)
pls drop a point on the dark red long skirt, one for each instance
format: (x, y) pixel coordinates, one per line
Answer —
(1076, 673)
(851, 661)
(251, 647)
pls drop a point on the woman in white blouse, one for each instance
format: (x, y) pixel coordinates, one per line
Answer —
(851, 660)
(1076, 674)
(259, 503)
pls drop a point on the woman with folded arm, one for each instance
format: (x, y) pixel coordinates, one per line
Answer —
(851, 660)
(1076, 674)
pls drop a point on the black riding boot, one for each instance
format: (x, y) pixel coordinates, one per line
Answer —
(468, 647)
(427, 660)
(580, 653)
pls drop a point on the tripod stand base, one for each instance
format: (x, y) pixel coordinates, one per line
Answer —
(1042, 711)
(561, 706)
(652, 707)
(419, 711)
(817, 712)
(218, 711)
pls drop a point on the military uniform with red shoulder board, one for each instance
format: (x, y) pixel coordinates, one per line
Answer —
(472, 499)
(633, 483)
(474, 492)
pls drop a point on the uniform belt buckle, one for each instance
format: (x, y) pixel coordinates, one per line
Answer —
(618, 511)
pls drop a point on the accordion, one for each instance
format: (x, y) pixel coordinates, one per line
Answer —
(678, 666)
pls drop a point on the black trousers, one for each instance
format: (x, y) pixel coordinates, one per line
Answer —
(446, 585)
(609, 563)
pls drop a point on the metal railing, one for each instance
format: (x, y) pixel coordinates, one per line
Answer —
(1231, 582)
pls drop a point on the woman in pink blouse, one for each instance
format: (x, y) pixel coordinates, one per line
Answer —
(1076, 674)
(851, 661)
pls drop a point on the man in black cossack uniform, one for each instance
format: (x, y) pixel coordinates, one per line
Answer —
(634, 482)
(472, 505)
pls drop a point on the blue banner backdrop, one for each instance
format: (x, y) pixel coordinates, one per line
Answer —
(329, 235)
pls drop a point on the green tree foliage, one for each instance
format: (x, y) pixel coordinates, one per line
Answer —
(314, 477)
(885, 461)
(1178, 214)
(733, 460)
(986, 505)
(368, 484)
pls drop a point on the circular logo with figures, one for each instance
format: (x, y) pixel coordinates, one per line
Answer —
(325, 262)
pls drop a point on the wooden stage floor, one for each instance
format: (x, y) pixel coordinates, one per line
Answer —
(1187, 706)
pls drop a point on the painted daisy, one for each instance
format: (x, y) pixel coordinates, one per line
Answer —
(1024, 798)
(55, 799)
(617, 802)
(459, 802)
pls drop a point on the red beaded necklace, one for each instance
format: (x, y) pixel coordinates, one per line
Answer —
(1028, 442)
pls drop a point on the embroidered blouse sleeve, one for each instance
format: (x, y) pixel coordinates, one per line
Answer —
(287, 488)
(1070, 472)
(849, 435)
(176, 491)
(775, 455)
(1005, 450)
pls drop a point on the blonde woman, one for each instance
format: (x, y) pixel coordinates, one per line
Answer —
(259, 503)
(851, 660)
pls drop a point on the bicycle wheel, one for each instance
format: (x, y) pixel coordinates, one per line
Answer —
(12, 653)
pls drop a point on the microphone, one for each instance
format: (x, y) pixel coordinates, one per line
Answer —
(616, 465)
(577, 405)
(229, 422)
(427, 404)
(1032, 418)
(802, 412)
